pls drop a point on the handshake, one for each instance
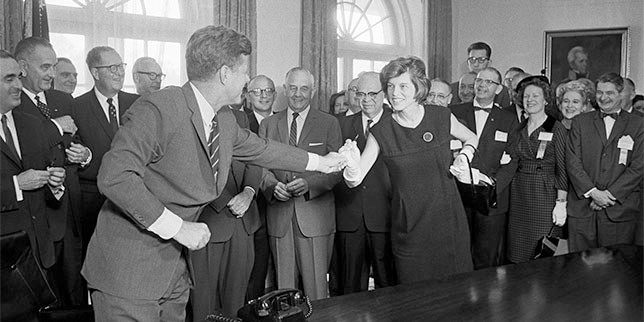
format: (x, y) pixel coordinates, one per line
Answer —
(348, 156)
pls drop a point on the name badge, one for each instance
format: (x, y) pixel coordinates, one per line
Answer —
(455, 145)
(625, 142)
(500, 136)
(545, 136)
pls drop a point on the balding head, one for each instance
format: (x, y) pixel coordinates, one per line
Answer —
(369, 94)
(261, 94)
(147, 75)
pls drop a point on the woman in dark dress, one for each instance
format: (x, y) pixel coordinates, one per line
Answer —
(539, 188)
(430, 237)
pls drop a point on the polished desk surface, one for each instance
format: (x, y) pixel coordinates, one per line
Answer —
(603, 284)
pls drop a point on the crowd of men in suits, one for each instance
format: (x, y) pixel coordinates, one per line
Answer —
(152, 173)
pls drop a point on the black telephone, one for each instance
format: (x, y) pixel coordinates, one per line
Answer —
(283, 305)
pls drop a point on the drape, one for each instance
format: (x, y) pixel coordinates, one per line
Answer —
(438, 15)
(319, 49)
(22, 19)
(240, 15)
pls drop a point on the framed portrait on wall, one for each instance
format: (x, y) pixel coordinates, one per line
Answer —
(588, 53)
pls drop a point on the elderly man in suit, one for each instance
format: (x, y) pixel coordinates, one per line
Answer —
(37, 59)
(170, 159)
(604, 160)
(260, 96)
(147, 75)
(28, 182)
(66, 76)
(222, 269)
(98, 114)
(363, 213)
(494, 128)
(301, 213)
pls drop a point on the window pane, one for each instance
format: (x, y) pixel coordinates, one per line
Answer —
(168, 55)
(154, 8)
(65, 3)
(365, 21)
(73, 47)
(340, 83)
(362, 65)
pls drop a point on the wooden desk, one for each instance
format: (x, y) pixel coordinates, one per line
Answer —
(602, 284)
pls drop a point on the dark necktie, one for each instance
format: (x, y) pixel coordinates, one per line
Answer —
(292, 138)
(113, 120)
(612, 115)
(9, 137)
(524, 116)
(43, 107)
(366, 130)
(213, 146)
(478, 108)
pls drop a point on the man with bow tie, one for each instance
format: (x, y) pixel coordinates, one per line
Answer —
(604, 160)
(495, 128)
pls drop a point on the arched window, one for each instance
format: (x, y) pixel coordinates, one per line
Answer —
(370, 33)
(135, 28)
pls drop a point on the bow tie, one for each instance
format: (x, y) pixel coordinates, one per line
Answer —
(613, 115)
(478, 108)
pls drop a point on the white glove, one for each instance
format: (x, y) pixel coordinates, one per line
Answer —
(559, 213)
(460, 169)
(351, 153)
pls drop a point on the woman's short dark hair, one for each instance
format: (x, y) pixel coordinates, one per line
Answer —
(332, 100)
(416, 69)
(545, 87)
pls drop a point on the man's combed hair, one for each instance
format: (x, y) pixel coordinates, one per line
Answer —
(480, 46)
(612, 78)
(5, 54)
(27, 46)
(211, 47)
(94, 55)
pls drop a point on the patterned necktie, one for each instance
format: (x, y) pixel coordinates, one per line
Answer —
(366, 130)
(9, 137)
(213, 147)
(43, 107)
(292, 139)
(113, 120)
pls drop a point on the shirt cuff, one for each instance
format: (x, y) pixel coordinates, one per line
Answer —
(468, 153)
(89, 159)
(251, 189)
(17, 187)
(167, 225)
(587, 194)
(60, 129)
(314, 161)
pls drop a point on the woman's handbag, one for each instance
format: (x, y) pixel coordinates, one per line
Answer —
(479, 197)
(549, 246)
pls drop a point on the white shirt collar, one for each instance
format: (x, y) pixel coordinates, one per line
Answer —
(375, 119)
(206, 110)
(259, 117)
(303, 114)
(32, 96)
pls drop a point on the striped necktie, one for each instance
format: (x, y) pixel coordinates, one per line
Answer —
(213, 146)
(292, 139)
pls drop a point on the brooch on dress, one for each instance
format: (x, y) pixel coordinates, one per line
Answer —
(428, 137)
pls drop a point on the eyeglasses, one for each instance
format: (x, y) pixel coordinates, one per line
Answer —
(488, 82)
(352, 89)
(259, 91)
(441, 97)
(151, 75)
(372, 95)
(114, 68)
(479, 60)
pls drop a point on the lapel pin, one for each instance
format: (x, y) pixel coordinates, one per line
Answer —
(428, 137)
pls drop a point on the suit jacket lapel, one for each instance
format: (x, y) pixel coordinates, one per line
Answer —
(122, 105)
(307, 128)
(358, 128)
(197, 120)
(97, 110)
(618, 127)
(12, 156)
(599, 126)
(283, 127)
(490, 123)
(470, 119)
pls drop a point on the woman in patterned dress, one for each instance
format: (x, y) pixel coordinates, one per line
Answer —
(430, 236)
(539, 188)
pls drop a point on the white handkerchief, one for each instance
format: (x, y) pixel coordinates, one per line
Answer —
(500, 136)
(315, 144)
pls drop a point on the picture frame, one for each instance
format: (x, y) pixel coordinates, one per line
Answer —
(606, 50)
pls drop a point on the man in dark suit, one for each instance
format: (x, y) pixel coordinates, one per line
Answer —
(363, 213)
(479, 56)
(36, 58)
(222, 269)
(301, 211)
(98, 114)
(28, 183)
(260, 97)
(517, 104)
(495, 128)
(604, 159)
(169, 159)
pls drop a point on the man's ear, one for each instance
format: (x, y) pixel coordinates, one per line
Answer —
(499, 88)
(23, 66)
(449, 98)
(94, 72)
(224, 74)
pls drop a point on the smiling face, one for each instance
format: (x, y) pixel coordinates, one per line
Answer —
(466, 88)
(608, 97)
(143, 82)
(108, 82)
(10, 84)
(66, 77)
(439, 94)
(401, 92)
(572, 104)
(39, 68)
(534, 101)
(266, 88)
(477, 60)
(487, 85)
(340, 106)
(299, 90)
(370, 94)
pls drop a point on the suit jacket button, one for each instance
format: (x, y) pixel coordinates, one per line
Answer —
(33, 217)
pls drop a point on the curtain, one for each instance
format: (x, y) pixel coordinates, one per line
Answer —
(439, 38)
(22, 19)
(240, 15)
(319, 50)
